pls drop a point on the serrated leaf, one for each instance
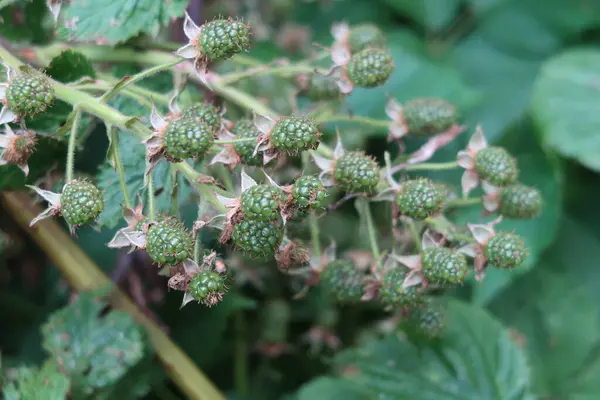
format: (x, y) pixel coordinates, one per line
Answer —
(558, 322)
(26, 21)
(476, 359)
(133, 157)
(114, 21)
(32, 383)
(565, 102)
(96, 350)
(70, 66)
(536, 169)
(433, 14)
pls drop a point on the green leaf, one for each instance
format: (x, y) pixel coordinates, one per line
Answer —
(133, 157)
(28, 383)
(70, 66)
(475, 359)
(433, 14)
(27, 20)
(114, 21)
(95, 349)
(565, 103)
(537, 169)
(559, 321)
(331, 389)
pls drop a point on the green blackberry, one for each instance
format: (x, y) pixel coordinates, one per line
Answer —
(496, 166)
(429, 116)
(257, 238)
(245, 128)
(419, 199)
(356, 172)
(505, 250)
(365, 35)
(343, 281)
(205, 112)
(321, 88)
(167, 242)
(370, 68)
(427, 321)
(444, 266)
(222, 39)
(294, 134)
(262, 202)
(308, 192)
(207, 287)
(81, 202)
(29, 94)
(392, 293)
(520, 201)
(187, 137)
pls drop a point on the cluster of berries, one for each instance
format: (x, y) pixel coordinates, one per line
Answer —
(255, 221)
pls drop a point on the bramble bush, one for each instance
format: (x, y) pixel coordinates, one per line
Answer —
(334, 184)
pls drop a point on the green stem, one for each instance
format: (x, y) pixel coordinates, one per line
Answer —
(72, 145)
(197, 248)
(134, 96)
(174, 193)
(151, 205)
(366, 212)
(141, 91)
(233, 141)
(114, 140)
(469, 201)
(415, 234)
(429, 166)
(376, 123)
(312, 218)
(202, 188)
(241, 357)
(286, 70)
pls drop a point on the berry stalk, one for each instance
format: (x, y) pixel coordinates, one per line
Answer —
(116, 154)
(72, 144)
(365, 211)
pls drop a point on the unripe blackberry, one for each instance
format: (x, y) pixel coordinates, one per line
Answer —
(370, 67)
(262, 202)
(222, 39)
(520, 201)
(427, 321)
(81, 202)
(496, 166)
(19, 148)
(419, 199)
(29, 94)
(505, 250)
(356, 172)
(294, 134)
(187, 137)
(444, 266)
(245, 128)
(205, 112)
(320, 88)
(167, 242)
(365, 35)
(342, 280)
(308, 192)
(429, 116)
(392, 293)
(257, 238)
(207, 287)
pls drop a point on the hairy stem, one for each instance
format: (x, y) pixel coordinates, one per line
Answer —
(429, 166)
(286, 70)
(73, 145)
(151, 205)
(366, 213)
(376, 123)
(415, 234)
(116, 154)
(469, 201)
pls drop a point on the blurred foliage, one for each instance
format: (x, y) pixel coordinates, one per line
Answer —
(526, 70)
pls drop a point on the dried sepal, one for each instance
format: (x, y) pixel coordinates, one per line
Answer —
(54, 7)
(133, 235)
(395, 112)
(466, 159)
(17, 148)
(53, 200)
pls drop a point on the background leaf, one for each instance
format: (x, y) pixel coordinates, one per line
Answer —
(30, 383)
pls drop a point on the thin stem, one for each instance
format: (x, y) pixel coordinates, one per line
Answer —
(174, 192)
(312, 218)
(142, 91)
(429, 166)
(233, 141)
(241, 357)
(415, 234)
(73, 144)
(130, 80)
(376, 123)
(134, 96)
(114, 140)
(286, 70)
(366, 212)
(197, 248)
(151, 205)
(202, 188)
(469, 201)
